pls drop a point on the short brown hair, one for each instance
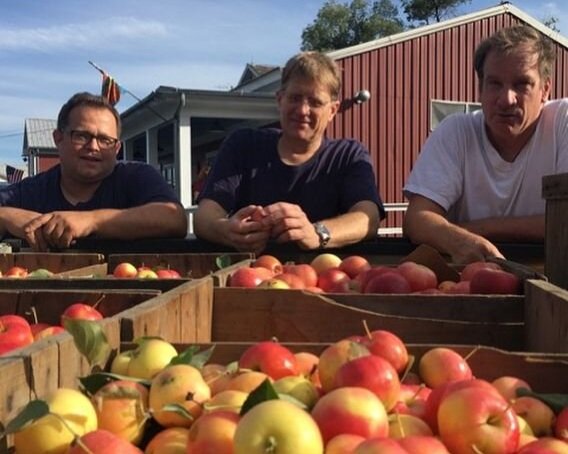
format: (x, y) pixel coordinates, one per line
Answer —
(314, 66)
(85, 99)
(507, 40)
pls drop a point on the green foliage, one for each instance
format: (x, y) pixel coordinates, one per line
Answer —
(90, 340)
(264, 391)
(422, 11)
(340, 25)
(557, 402)
(551, 22)
(31, 412)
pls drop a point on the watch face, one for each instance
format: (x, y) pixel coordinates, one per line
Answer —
(323, 233)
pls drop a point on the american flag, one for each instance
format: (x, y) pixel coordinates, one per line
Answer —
(14, 175)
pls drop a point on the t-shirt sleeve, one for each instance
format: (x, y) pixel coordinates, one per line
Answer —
(145, 185)
(438, 172)
(11, 196)
(562, 137)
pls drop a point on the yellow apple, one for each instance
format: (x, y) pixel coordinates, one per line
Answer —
(150, 357)
(169, 441)
(228, 400)
(120, 362)
(299, 387)
(277, 426)
(324, 261)
(49, 434)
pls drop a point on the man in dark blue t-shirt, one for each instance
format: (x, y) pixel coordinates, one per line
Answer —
(292, 184)
(89, 193)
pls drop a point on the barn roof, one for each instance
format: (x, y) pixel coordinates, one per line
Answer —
(38, 134)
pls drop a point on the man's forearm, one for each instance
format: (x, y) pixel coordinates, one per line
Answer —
(525, 228)
(353, 227)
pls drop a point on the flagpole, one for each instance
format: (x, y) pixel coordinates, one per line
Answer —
(122, 88)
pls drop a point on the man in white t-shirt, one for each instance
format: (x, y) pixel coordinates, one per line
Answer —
(478, 178)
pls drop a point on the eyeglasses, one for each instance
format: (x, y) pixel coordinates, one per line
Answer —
(85, 137)
(299, 100)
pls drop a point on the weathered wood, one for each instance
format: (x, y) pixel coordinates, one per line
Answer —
(546, 315)
(54, 262)
(555, 191)
(88, 283)
(296, 316)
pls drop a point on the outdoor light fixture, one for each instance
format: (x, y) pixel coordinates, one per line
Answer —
(362, 96)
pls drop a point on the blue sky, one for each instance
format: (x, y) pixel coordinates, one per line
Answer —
(45, 47)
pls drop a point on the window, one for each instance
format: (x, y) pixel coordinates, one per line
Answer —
(441, 109)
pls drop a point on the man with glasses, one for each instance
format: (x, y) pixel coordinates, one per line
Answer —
(292, 184)
(89, 193)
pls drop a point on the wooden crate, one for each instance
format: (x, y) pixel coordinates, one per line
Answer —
(54, 262)
(555, 191)
(188, 264)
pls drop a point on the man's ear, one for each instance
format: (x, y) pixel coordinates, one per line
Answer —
(57, 136)
(334, 109)
(546, 87)
(118, 147)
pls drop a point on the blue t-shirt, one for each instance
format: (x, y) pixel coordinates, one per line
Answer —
(248, 170)
(130, 184)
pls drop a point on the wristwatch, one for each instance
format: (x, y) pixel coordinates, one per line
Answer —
(323, 233)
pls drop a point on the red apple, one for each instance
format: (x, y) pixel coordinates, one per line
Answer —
(545, 445)
(474, 419)
(388, 282)
(16, 272)
(343, 444)
(561, 425)
(269, 262)
(305, 272)
(472, 268)
(419, 277)
(15, 332)
(350, 410)
(495, 282)
(382, 445)
(373, 373)
(292, 280)
(47, 332)
(328, 278)
(336, 355)
(81, 311)
(365, 276)
(507, 386)
(103, 442)
(249, 277)
(412, 400)
(167, 273)
(125, 270)
(441, 365)
(354, 265)
(389, 346)
(271, 358)
(537, 414)
(460, 288)
(419, 444)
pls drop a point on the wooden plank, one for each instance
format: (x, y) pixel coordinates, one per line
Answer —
(90, 283)
(555, 186)
(221, 277)
(92, 271)
(555, 192)
(296, 316)
(546, 317)
(15, 391)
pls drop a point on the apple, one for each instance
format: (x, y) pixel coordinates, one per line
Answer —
(146, 273)
(167, 273)
(269, 262)
(102, 441)
(213, 432)
(365, 276)
(16, 272)
(343, 444)
(460, 288)
(246, 381)
(48, 434)
(537, 414)
(228, 400)
(334, 356)
(329, 278)
(403, 425)
(324, 261)
(561, 425)
(474, 419)
(120, 362)
(48, 332)
(172, 440)
(545, 445)
(507, 386)
(277, 426)
(125, 270)
(441, 365)
(389, 346)
(80, 311)
(249, 277)
(305, 272)
(495, 282)
(269, 357)
(293, 280)
(419, 444)
(350, 410)
(380, 445)
(122, 407)
(15, 332)
(412, 400)
(39, 273)
(353, 265)
(472, 268)
(420, 277)
(150, 357)
(180, 384)
(299, 387)
(274, 283)
(373, 373)
(388, 282)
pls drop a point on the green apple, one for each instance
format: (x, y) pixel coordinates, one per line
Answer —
(150, 357)
(299, 387)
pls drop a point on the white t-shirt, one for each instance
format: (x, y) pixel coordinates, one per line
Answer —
(460, 170)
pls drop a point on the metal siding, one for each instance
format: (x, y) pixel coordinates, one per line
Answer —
(403, 78)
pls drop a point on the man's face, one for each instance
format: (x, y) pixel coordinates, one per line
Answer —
(512, 95)
(306, 108)
(84, 158)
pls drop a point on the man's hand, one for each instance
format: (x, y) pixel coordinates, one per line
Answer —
(249, 229)
(469, 247)
(290, 223)
(59, 229)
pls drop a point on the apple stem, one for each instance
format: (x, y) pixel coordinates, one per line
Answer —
(271, 445)
(476, 450)
(408, 367)
(367, 330)
(399, 421)
(97, 302)
(34, 314)
(471, 353)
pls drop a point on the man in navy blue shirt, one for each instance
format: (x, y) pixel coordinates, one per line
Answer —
(89, 193)
(293, 184)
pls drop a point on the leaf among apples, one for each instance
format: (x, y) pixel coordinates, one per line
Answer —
(193, 356)
(90, 340)
(31, 412)
(91, 383)
(265, 391)
(557, 402)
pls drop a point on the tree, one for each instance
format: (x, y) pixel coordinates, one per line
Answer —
(422, 11)
(339, 25)
(551, 22)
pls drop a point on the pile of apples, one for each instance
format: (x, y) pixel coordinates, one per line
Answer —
(358, 396)
(126, 270)
(16, 332)
(19, 272)
(328, 273)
